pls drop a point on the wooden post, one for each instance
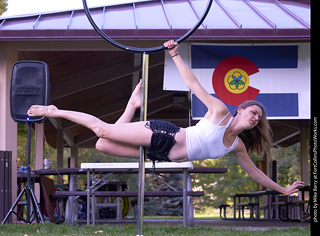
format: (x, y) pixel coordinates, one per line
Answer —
(304, 137)
(59, 153)
(8, 128)
(39, 128)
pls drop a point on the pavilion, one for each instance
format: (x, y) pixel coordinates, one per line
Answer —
(87, 74)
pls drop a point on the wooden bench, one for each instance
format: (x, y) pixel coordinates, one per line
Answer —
(223, 208)
(286, 204)
(249, 205)
(247, 200)
(65, 194)
(80, 171)
(276, 202)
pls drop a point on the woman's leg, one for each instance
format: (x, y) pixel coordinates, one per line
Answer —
(126, 136)
(135, 134)
(133, 104)
(117, 148)
(121, 138)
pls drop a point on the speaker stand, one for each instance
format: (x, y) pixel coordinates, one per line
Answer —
(28, 189)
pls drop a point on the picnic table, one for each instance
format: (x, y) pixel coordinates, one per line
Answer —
(277, 206)
(114, 170)
(91, 168)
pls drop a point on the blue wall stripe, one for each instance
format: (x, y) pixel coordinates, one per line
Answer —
(208, 56)
(276, 104)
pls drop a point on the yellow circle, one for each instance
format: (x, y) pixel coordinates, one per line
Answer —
(236, 80)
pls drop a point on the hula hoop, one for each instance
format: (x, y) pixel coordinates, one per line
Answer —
(141, 50)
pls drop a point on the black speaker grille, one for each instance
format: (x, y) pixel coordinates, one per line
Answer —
(29, 86)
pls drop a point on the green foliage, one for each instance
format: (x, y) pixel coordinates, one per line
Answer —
(3, 6)
(289, 165)
(22, 148)
(163, 206)
(218, 187)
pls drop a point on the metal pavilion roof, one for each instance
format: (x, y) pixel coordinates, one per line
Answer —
(163, 19)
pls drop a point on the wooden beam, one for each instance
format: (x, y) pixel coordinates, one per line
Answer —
(39, 130)
(67, 136)
(74, 159)
(97, 78)
(109, 109)
(304, 138)
(90, 80)
(284, 134)
(163, 101)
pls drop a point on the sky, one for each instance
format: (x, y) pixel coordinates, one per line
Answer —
(24, 7)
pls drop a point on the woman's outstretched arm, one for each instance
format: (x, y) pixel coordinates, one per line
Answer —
(257, 175)
(213, 104)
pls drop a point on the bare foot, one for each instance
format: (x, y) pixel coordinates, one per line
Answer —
(37, 110)
(135, 99)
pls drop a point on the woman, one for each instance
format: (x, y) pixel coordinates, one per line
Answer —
(217, 134)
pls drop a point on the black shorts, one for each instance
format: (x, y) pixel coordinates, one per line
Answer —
(162, 139)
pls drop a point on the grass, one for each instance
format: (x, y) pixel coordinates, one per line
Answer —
(127, 230)
(207, 214)
(163, 230)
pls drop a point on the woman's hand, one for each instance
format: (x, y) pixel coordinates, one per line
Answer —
(172, 47)
(293, 188)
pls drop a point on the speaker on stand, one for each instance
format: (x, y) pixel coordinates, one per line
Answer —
(29, 86)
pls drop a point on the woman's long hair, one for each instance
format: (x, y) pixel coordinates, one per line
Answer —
(259, 138)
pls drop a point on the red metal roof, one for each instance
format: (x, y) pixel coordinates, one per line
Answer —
(163, 19)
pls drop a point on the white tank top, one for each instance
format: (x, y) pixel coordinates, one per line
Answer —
(205, 140)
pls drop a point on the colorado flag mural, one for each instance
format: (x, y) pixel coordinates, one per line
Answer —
(278, 76)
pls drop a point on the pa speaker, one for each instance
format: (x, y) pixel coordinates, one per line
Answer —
(29, 86)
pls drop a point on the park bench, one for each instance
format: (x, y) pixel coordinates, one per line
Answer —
(223, 210)
(286, 204)
(65, 194)
(275, 203)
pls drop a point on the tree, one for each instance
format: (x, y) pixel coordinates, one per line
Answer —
(289, 164)
(218, 187)
(3, 6)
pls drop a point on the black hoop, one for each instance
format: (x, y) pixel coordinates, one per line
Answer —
(141, 50)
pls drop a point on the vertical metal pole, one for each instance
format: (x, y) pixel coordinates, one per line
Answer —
(143, 117)
(88, 196)
(185, 197)
(93, 200)
(29, 172)
(190, 202)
